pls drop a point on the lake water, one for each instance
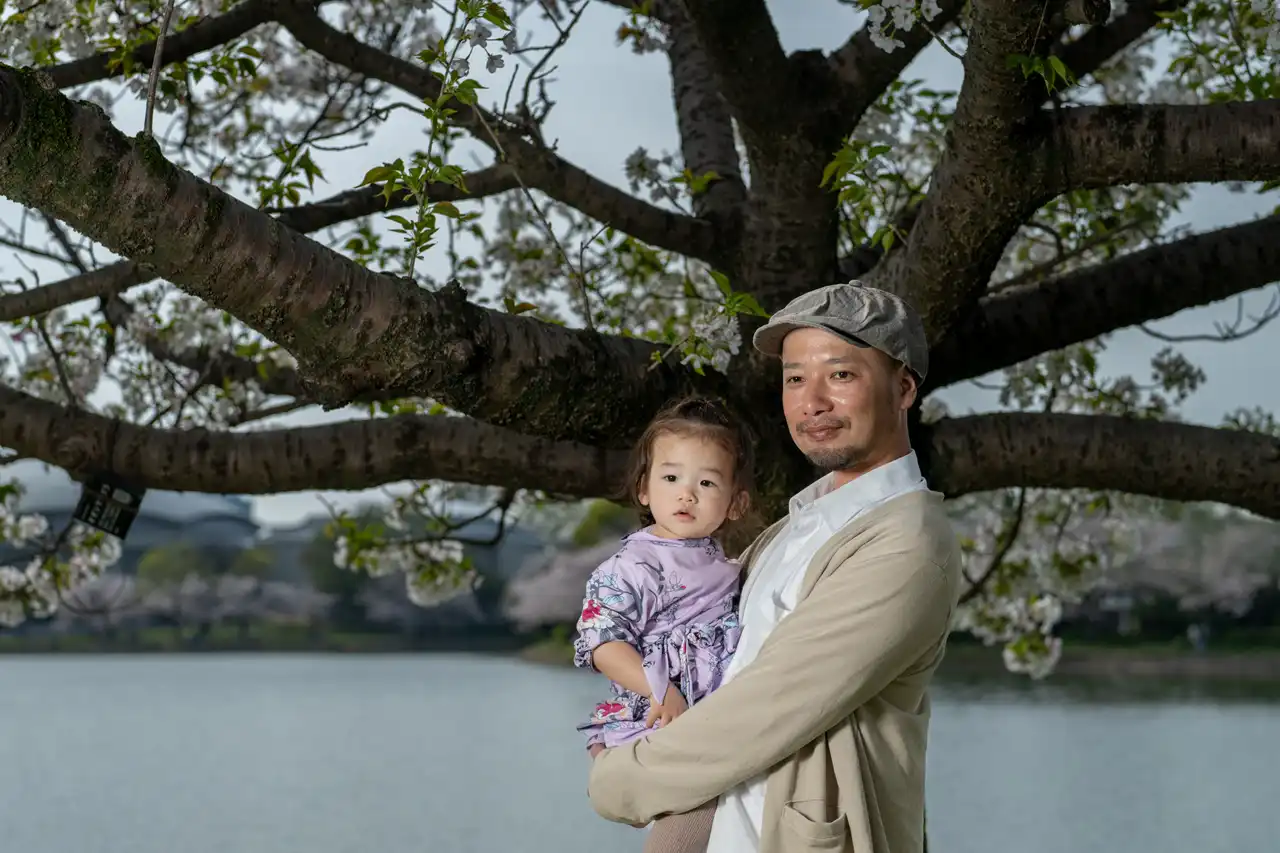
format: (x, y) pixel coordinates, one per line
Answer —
(462, 754)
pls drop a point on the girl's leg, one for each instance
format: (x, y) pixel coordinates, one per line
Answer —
(682, 833)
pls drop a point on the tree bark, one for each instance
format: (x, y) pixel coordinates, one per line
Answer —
(116, 278)
(356, 334)
(1157, 282)
(1107, 146)
(706, 129)
(984, 187)
(1161, 459)
(352, 455)
(750, 68)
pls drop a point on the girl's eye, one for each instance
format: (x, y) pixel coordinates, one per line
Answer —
(707, 484)
(670, 478)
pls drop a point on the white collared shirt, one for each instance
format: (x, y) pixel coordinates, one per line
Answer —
(816, 513)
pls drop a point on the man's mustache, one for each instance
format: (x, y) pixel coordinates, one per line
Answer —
(821, 424)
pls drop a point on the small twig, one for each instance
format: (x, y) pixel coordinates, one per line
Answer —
(269, 412)
(1225, 331)
(154, 78)
(1043, 270)
(1008, 536)
(59, 367)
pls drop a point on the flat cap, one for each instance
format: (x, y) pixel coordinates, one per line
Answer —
(863, 316)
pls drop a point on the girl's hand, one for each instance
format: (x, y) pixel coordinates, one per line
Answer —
(673, 705)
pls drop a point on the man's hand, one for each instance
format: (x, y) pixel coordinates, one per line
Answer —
(672, 706)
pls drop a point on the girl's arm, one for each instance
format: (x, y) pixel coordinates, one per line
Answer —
(617, 607)
(620, 662)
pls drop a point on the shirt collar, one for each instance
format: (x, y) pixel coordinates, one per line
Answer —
(646, 534)
(837, 506)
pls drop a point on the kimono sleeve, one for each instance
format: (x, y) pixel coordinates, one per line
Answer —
(617, 608)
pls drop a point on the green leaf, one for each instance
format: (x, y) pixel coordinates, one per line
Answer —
(749, 305)
(514, 307)
(1060, 68)
(466, 92)
(496, 15)
(722, 282)
(829, 172)
(378, 174)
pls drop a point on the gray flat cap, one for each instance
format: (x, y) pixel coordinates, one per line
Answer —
(861, 315)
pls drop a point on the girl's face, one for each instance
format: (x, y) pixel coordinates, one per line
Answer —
(689, 488)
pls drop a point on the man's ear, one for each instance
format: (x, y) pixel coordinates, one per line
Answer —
(908, 388)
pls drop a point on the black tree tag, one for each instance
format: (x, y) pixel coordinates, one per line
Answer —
(109, 504)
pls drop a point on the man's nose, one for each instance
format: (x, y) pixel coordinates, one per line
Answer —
(815, 400)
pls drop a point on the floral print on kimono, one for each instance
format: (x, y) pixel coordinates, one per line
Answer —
(674, 601)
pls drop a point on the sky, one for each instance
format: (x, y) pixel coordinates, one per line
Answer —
(610, 101)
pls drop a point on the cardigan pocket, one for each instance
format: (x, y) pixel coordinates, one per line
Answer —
(805, 820)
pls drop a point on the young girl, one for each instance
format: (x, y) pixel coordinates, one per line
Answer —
(660, 615)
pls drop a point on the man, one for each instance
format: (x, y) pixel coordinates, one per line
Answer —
(816, 741)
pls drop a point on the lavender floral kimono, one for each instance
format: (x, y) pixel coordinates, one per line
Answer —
(675, 601)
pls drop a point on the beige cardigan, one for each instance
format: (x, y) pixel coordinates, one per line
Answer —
(834, 708)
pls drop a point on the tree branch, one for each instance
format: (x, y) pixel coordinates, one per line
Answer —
(1138, 287)
(203, 35)
(865, 71)
(751, 70)
(1160, 459)
(538, 167)
(216, 368)
(704, 123)
(355, 333)
(104, 281)
(116, 278)
(1097, 45)
(349, 455)
(865, 67)
(1091, 147)
(983, 187)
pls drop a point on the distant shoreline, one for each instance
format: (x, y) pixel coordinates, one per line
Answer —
(1083, 661)
(963, 659)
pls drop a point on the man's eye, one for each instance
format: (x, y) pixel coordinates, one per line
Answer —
(842, 374)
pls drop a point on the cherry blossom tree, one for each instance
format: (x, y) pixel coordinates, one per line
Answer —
(512, 325)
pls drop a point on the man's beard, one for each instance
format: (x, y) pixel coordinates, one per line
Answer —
(835, 458)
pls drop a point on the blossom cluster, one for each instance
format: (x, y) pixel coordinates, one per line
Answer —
(34, 585)
(434, 565)
(888, 17)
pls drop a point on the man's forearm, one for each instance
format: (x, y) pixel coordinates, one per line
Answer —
(841, 646)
